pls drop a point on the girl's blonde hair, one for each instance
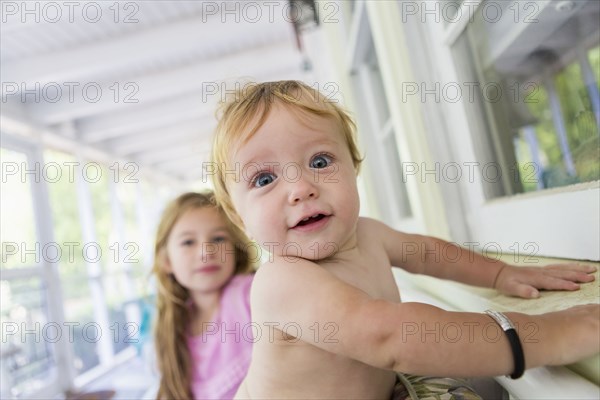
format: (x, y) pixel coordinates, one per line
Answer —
(173, 310)
(245, 112)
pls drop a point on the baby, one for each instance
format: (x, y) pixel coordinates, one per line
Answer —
(326, 300)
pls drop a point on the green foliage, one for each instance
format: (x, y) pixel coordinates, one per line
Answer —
(580, 124)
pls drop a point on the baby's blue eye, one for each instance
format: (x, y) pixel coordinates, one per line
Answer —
(263, 179)
(320, 161)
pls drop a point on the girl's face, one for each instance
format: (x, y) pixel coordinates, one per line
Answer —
(200, 251)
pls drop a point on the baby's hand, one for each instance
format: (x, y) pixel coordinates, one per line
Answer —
(524, 281)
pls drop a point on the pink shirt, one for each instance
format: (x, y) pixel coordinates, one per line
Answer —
(221, 354)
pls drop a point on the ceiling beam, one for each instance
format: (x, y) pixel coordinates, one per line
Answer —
(180, 36)
(203, 78)
(187, 168)
(173, 152)
(12, 124)
(188, 131)
(144, 117)
(193, 161)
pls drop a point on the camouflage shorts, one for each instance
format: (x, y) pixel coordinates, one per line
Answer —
(411, 387)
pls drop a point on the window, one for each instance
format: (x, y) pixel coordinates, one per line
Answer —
(18, 225)
(376, 127)
(528, 116)
(539, 90)
(29, 353)
(70, 286)
(81, 308)
(125, 263)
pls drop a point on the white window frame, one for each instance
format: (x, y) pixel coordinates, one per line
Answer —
(47, 271)
(562, 222)
(62, 350)
(397, 208)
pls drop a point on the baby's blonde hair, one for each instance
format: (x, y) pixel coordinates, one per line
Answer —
(252, 105)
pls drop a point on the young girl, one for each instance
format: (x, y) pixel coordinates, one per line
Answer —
(202, 264)
(339, 329)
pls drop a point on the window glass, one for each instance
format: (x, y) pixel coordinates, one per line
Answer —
(17, 222)
(127, 249)
(77, 295)
(536, 70)
(28, 363)
(112, 251)
(99, 191)
(129, 271)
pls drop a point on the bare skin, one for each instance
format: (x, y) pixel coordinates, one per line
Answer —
(370, 334)
(310, 371)
(331, 322)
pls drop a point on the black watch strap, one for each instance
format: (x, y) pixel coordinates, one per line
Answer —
(513, 339)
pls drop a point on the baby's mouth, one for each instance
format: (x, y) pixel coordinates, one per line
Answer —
(311, 220)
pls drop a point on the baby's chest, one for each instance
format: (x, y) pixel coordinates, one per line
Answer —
(372, 274)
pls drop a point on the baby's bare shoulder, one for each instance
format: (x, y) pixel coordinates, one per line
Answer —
(377, 229)
(372, 231)
(280, 278)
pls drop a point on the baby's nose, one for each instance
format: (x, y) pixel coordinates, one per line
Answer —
(302, 190)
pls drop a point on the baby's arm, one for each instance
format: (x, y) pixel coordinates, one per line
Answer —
(441, 259)
(409, 337)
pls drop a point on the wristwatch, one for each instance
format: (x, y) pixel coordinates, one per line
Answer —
(513, 338)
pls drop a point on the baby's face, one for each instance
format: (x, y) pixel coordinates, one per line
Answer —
(296, 187)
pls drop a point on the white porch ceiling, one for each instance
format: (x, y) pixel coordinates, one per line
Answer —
(149, 82)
